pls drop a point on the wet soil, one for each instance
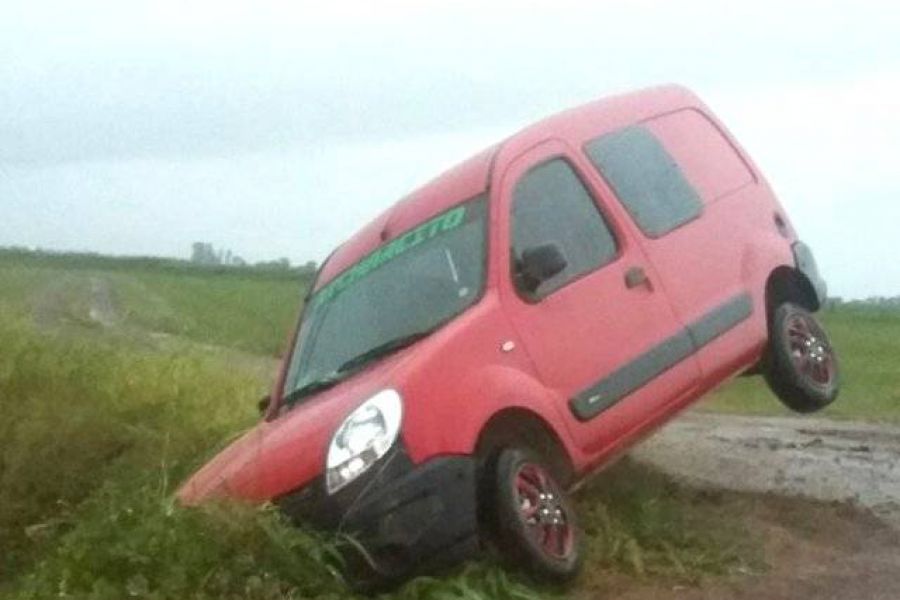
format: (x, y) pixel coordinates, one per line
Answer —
(820, 496)
(792, 456)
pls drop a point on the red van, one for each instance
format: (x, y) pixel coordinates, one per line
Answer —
(498, 334)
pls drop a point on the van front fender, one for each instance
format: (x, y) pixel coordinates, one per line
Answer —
(452, 421)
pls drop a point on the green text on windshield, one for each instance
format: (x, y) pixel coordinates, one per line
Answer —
(443, 223)
(407, 286)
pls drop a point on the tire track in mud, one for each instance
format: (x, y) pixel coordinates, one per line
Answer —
(73, 299)
(789, 456)
(91, 301)
(101, 308)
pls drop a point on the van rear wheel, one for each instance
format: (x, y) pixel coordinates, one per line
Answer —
(802, 366)
(536, 526)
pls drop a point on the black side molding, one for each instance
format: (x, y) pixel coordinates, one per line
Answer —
(658, 359)
(720, 319)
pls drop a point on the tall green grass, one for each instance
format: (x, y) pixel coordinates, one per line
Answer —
(641, 522)
(250, 314)
(82, 410)
(98, 432)
(99, 427)
(243, 311)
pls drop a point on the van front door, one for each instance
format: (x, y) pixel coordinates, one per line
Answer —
(600, 332)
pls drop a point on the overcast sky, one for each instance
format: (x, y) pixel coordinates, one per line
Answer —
(277, 129)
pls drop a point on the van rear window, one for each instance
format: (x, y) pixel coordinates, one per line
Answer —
(646, 179)
(705, 155)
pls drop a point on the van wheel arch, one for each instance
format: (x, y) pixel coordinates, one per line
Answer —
(784, 284)
(787, 284)
(514, 429)
(523, 428)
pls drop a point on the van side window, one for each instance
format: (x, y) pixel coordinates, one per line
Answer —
(552, 206)
(646, 179)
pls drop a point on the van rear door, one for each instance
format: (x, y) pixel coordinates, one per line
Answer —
(690, 195)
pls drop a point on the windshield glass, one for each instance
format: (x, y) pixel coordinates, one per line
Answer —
(391, 298)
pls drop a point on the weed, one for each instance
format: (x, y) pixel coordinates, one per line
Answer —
(640, 521)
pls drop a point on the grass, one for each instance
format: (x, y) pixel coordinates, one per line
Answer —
(640, 522)
(249, 314)
(98, 429)
(97, 434)
(99, 426)
(81, 410)
(239, 310)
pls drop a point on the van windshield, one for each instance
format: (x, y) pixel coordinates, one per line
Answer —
(391, 298)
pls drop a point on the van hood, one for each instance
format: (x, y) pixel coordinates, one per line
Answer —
(281, 455)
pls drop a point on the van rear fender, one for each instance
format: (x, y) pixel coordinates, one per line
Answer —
(767, 251)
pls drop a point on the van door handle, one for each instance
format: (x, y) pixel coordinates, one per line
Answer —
(636, 276)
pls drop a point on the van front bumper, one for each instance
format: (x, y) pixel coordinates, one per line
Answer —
(407, 519)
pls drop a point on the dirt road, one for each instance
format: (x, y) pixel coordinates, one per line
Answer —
(806, 457)
(827, 549)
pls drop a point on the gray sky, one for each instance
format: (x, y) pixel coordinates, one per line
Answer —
(277, 129)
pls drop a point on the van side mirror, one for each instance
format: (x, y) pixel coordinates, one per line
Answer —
(540, 263)
(263, 404)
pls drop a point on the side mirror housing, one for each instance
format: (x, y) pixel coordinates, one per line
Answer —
(538, 264)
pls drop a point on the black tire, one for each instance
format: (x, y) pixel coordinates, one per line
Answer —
(526, 542)
(801, 364)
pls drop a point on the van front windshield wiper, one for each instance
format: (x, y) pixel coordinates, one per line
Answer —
(380, 350)
(352, 365)
(317, 385)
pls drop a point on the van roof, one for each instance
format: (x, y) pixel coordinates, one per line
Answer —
(472, 177)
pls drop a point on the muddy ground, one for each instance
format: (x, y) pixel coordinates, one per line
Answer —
(813, 551)
(823, 498)
(801, 456)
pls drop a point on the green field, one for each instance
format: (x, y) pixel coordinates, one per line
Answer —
(116, 382)
(868, 346)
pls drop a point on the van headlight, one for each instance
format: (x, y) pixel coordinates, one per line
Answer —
(364, 437)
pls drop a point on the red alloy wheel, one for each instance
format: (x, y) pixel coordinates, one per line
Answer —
(810, 350)
(543, 512)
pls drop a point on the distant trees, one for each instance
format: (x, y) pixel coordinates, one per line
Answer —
(282, 263)
(890, 302)
(279, 269)
(204, 254)
(871, 302)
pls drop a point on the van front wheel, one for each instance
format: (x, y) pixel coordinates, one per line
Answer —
(802, 366)
(535, 521)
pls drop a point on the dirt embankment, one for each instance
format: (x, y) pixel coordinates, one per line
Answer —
(822, 496)
(805, 457)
